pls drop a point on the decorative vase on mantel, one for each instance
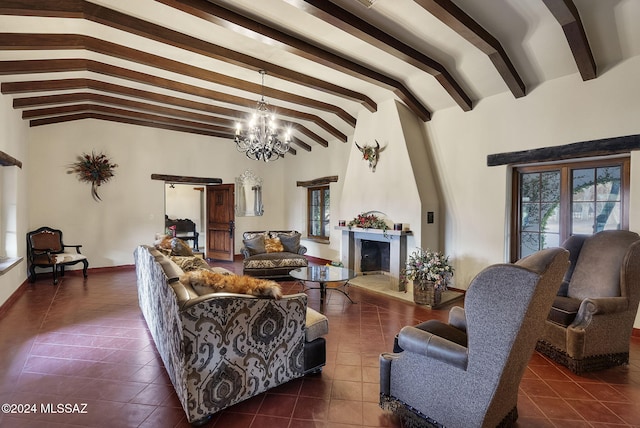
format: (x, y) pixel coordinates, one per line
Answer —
(426, 293)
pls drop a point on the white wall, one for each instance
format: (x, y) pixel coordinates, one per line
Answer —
(13, 141)
(402, 187)
(471, 197)
(562, 111)
(132, 208)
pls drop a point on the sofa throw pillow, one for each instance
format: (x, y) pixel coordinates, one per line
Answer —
(291, 243)
(255, 245)
(273, 245)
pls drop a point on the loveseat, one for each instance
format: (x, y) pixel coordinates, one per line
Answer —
(272, 254)
(222, 348)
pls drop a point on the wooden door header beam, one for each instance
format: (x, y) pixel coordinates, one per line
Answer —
(184, 179)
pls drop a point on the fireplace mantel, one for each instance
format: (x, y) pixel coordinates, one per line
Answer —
(351, 255)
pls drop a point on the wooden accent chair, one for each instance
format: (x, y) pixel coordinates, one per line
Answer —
(185, 229)
(45, 249)
(591, 320)
(466, 373)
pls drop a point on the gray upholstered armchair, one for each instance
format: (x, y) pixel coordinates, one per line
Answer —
(592, 318)
(466, 373)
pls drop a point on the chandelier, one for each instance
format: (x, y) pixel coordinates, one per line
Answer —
(260, 141)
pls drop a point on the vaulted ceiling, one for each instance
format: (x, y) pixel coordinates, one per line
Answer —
(192, 65)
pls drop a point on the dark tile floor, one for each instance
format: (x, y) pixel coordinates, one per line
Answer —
(85, 343)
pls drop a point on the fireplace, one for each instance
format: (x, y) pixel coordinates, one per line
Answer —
(374, 256)
(395, 240)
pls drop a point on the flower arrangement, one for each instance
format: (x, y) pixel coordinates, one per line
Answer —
(426, 265)
(95, 169)
(368, 221)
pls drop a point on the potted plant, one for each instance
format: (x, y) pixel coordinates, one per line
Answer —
(430, 272)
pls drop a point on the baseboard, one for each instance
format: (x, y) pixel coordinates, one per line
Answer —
(13, 298)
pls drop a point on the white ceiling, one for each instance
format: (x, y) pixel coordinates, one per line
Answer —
(530, 35)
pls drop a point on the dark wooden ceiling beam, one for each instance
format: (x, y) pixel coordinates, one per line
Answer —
(59, 65)
(83, 97)
(122, 119)
(89, 107)
(25, 41)
(262, 32)
(346, 21)
(456, 19)
(80, 97)
(567, 15)
(131, 121)
(121, 21)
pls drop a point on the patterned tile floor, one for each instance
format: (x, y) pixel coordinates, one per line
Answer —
(86, 342)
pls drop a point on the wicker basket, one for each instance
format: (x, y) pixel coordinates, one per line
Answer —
(425, 293)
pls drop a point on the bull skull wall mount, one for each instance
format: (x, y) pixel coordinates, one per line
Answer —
(371, 154)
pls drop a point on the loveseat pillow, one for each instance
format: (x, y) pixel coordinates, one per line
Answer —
(290, 243)
(273, 245)
(255, 245)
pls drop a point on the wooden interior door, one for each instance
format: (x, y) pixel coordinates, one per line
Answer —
(220, 222)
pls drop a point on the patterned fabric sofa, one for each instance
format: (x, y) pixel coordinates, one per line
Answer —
(272, 254)
(220, 349)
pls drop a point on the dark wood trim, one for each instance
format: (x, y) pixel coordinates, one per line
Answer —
(77, 98)
(261, 31)
(456, 19)
(346, 21)
(603, 147)
(132, 121)
(89, 107)
(567, 15)
(31, 41)
(42, 100)
(43, 66)
(114, 19)
(185, 179)
(318, 181)
(6, 160)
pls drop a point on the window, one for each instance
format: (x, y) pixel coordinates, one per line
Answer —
(318, 212)
(553, 202)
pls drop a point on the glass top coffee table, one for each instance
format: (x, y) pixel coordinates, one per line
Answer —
(324, 275)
